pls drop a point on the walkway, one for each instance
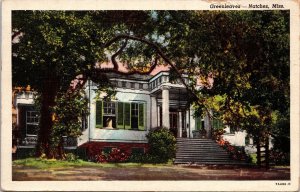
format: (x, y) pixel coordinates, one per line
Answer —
(21, 173)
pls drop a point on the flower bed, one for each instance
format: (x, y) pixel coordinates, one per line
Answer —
(237, 153)
(116, 156)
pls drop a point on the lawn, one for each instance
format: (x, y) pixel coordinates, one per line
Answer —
(35, 169)
(53, 163)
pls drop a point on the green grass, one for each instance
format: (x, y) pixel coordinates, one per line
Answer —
(56, 164)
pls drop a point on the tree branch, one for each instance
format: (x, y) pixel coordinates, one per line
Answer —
(159, 52)
(113, 57)
(164, 57)
(15, 34)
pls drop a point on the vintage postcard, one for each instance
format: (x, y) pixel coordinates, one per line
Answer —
(149, 95)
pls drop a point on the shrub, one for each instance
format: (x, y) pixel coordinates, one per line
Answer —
(162, 145)
(235, 152)
(71, 157)
(115, 156)
(279, 158)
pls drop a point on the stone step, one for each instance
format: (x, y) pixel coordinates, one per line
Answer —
(200, 155)
(210, 163)
(212, 149)
(201, 151)
(198, 148)
(198, 145)
(197, 141)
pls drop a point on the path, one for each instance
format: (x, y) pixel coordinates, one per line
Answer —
(21, 173)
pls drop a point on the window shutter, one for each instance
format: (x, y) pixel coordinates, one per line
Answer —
(198, 123)
(120, 120)
(221, 125)
(141, 116)
(127, 115)
(215, 123)
(99, 114)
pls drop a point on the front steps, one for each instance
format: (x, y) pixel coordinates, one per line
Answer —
(202, 151)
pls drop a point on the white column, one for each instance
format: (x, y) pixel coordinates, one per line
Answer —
(165, 107)
(208, 124)
(154, 112)
(179, 131)
(187, 123)
(158, 116)
(192, 122)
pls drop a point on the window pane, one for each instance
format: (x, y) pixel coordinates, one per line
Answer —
(109, 108)
(134, 109)
(127, 117)
(32, 129)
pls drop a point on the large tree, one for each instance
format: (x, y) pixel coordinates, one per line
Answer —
(246, 53)
(51, 48)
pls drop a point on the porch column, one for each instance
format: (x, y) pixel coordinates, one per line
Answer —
(179, 131)
(165, 107)
(154, 114)
(158, 116)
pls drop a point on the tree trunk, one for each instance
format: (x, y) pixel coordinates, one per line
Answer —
(60, 149)
(258, 157)
(267, 156)
(48, 94)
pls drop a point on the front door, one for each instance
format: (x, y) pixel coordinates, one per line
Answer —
(174, 123)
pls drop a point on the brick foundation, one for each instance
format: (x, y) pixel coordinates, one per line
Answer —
(95, 148)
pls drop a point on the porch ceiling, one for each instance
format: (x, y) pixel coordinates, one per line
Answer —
(175, 94)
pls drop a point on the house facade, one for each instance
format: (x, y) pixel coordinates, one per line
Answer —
(141, 103)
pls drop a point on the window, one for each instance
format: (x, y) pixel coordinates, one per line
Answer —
(123, 84)
(134, 115)
(109, 108)
(165, 78)
(120, 84)
(159, 80)
(32, 122)
(134, 110)
(127, 122)
(120, 115)
(132, 85)
(140, 86)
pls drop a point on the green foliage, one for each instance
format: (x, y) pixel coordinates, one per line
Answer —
(55, 164)
(244, 53)
(69, 110)
(71, 157)
(253, 158)
(162, 145)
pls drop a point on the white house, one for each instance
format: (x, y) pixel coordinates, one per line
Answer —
(141, 103)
